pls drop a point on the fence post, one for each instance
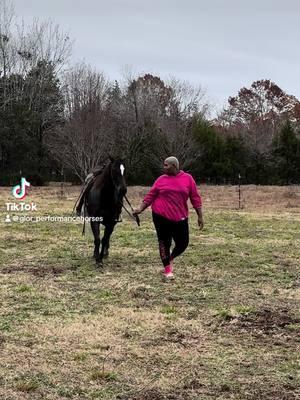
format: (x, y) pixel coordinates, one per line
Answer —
(239, 191)
(62, 183)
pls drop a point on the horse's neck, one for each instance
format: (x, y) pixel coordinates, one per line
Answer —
(107, 179)
(107, 173)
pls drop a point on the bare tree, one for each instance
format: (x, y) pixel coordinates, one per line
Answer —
(256, 113)
(23, 47)
(158, 121)
(191, 99)
(187, 105)
(7, 16)
(86, 137)
(43, 40)
(145, 101)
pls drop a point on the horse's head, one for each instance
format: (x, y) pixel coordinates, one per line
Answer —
(118, 179)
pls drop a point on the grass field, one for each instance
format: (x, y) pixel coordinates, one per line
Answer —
(228, 327)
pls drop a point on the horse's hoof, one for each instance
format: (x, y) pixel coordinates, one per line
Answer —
(106, 255)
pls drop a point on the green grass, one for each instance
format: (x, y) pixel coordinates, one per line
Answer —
(230, 318)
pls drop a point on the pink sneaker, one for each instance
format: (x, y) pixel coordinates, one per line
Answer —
(168, 272)
(168, 276)
(168, 268)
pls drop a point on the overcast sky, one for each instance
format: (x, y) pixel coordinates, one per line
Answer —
(221, 45)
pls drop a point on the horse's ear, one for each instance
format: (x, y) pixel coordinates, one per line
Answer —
(111, 158)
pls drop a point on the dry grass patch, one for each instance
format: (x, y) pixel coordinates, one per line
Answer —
(227, 327)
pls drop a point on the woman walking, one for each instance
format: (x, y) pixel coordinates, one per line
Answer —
(168, 198)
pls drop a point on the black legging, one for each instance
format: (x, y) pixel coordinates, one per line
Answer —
(166, 231)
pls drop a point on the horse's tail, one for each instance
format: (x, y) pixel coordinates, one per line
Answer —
(77, 201)
(79, 197)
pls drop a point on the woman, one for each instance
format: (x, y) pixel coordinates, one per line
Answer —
(168, 198)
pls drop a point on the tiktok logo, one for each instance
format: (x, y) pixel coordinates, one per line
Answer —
(19, 191)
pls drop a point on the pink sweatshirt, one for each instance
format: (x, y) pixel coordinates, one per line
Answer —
(170, 193)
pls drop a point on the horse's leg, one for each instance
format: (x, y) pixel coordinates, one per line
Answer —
(105, 240)
(95, 225)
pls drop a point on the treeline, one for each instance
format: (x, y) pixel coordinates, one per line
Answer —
(58, 125)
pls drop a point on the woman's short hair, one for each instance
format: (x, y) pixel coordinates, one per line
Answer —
(172, 160)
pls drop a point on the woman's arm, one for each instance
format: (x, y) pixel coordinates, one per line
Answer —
(200, 217)
(148, 199)
(196, 201)
(141, 208)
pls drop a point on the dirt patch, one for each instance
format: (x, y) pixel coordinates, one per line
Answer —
(155, 394)
(175, 336)
(2, 340)
(280, 393)
(195, 390)
(266, 321)
(151, 394)
(39, 271)
(141, 292)
(183, 338)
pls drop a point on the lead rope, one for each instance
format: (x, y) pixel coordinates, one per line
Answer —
(135, 217)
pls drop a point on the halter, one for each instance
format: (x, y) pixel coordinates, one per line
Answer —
(111, 174)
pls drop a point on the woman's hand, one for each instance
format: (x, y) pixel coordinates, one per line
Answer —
(200, 222)
(139, 210)
(200, 218)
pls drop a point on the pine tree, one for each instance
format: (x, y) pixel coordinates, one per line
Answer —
(287, 154)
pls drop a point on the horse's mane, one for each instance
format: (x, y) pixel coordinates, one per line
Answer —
(100, 179)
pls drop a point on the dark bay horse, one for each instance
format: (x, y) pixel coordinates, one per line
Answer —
(105, 200)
